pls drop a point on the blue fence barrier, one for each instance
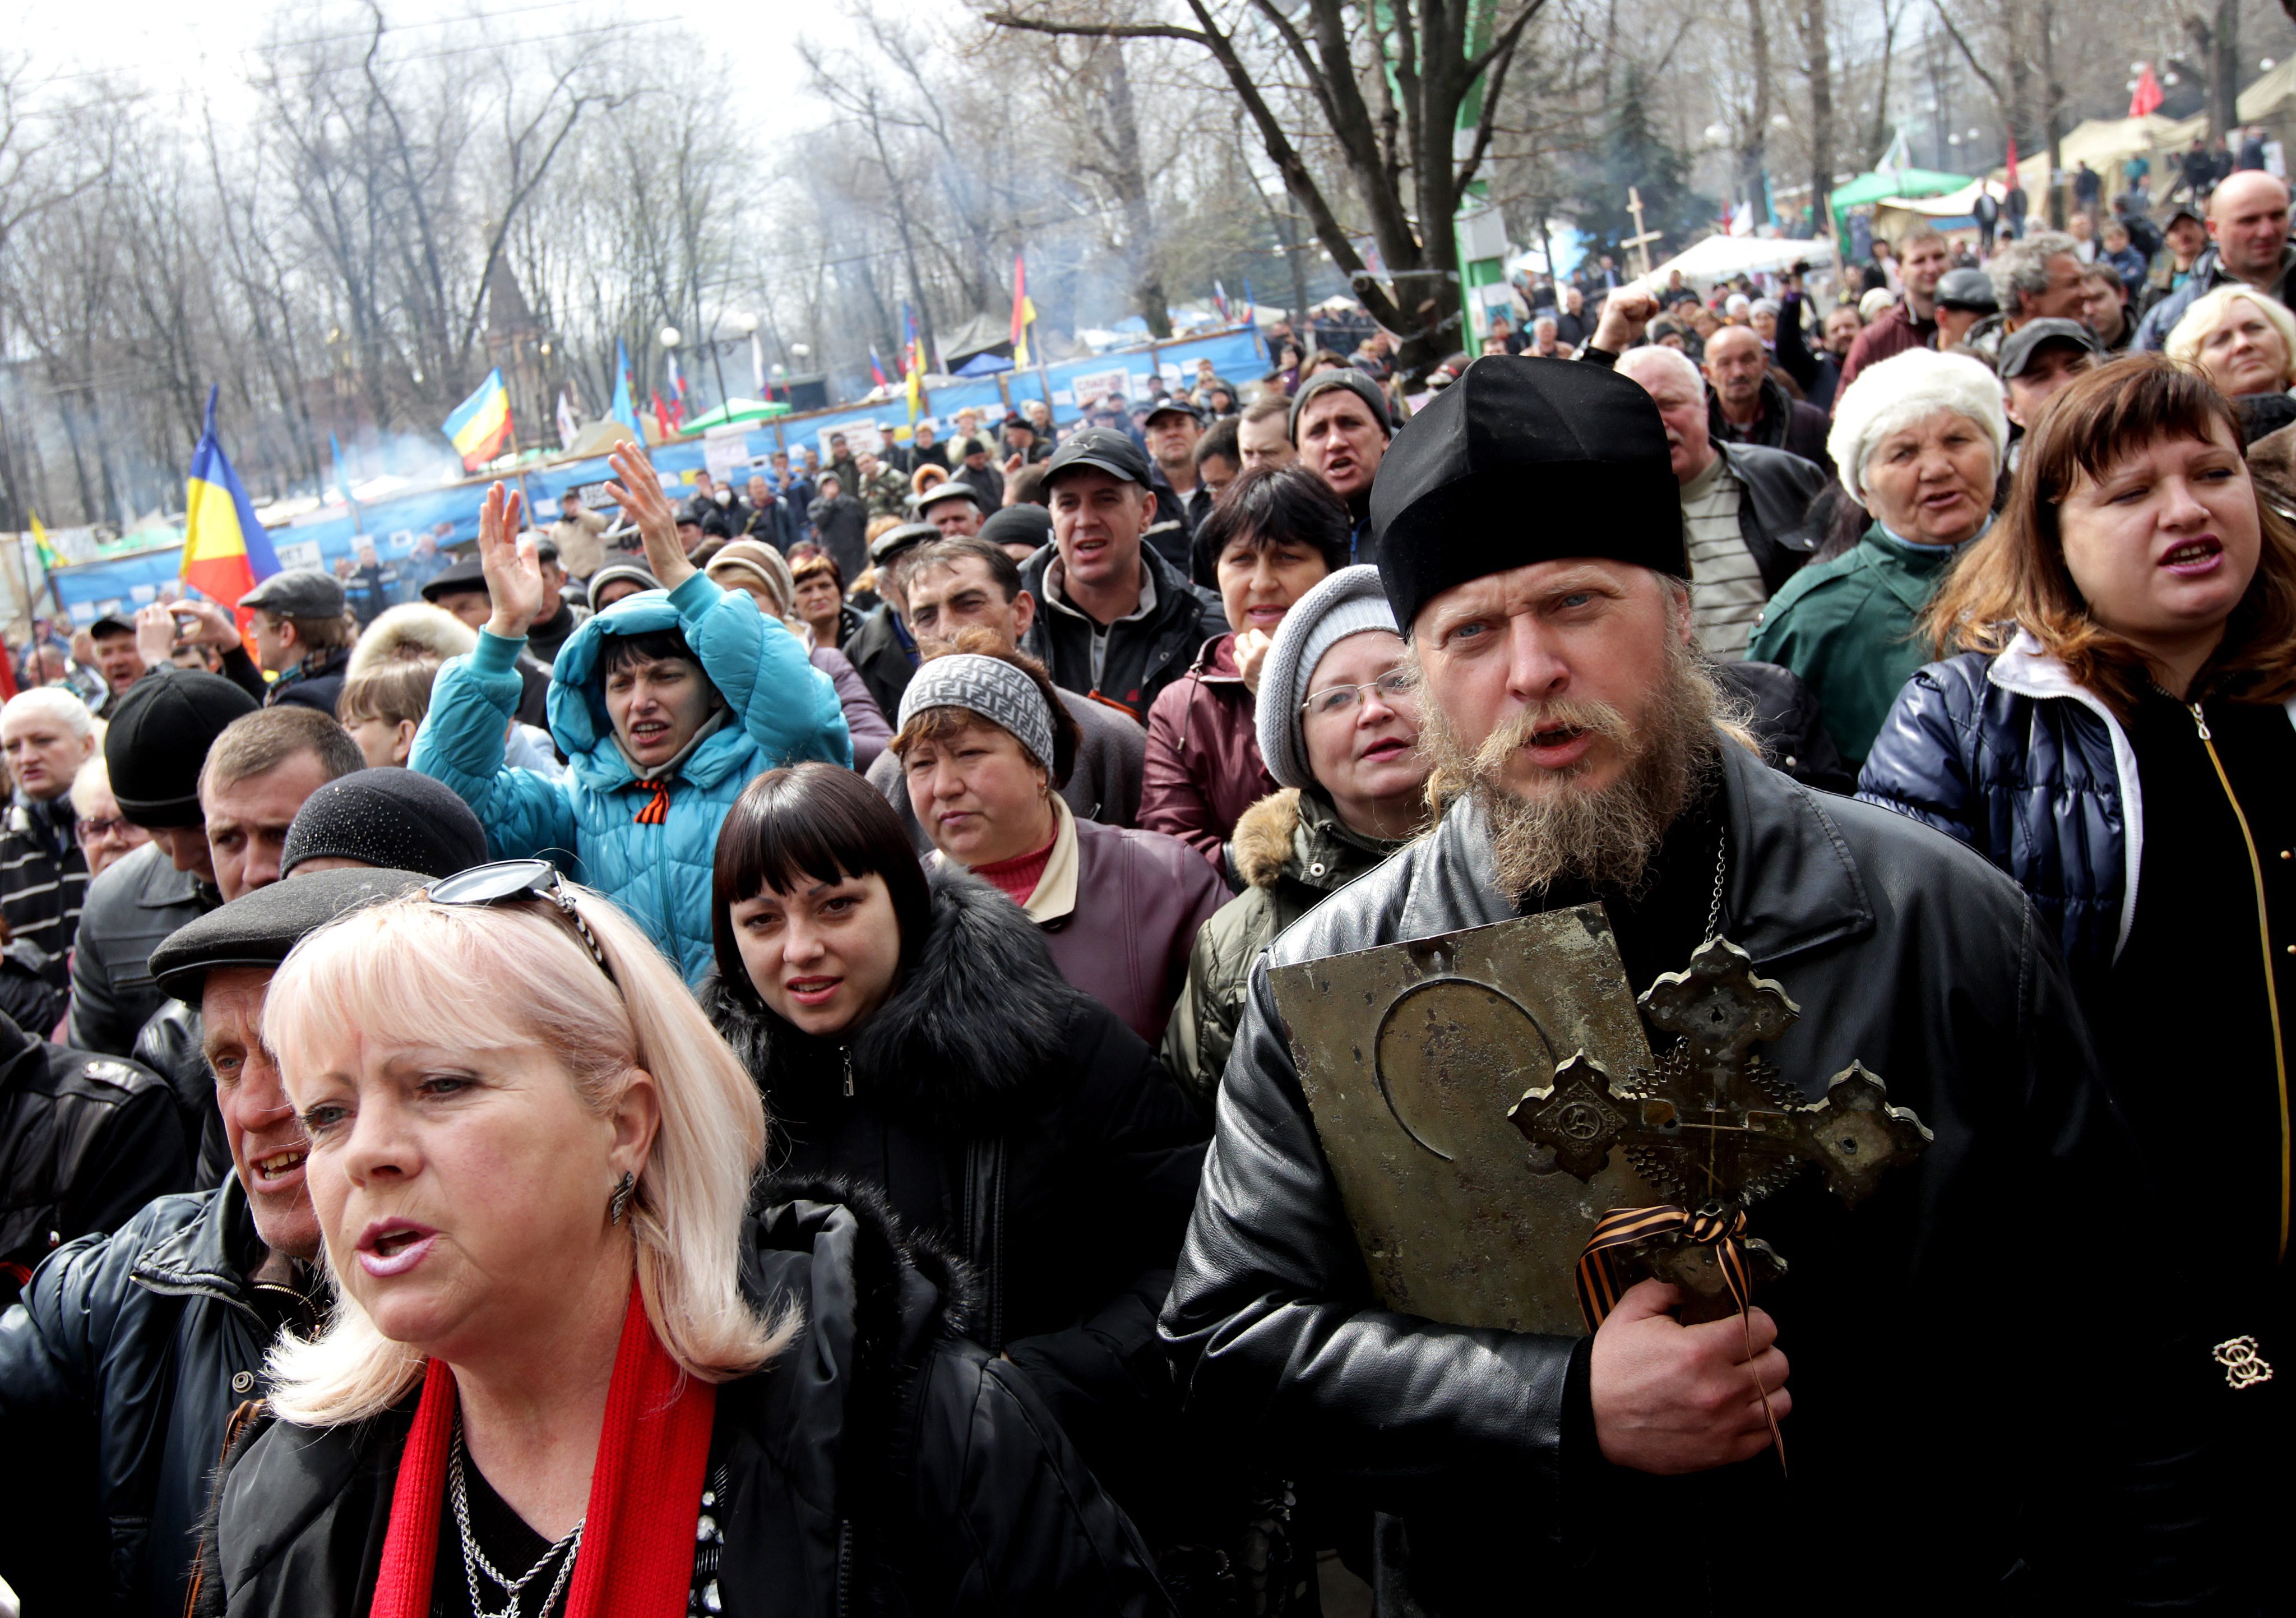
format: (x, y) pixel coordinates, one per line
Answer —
(408, 530)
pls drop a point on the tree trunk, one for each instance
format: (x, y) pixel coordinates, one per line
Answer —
(1754, 142)
(2224, 70)
(2053, 107)
(1818, 52)
(1132, 190)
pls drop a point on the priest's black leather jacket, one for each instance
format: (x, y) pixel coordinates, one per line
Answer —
(1967, 1346)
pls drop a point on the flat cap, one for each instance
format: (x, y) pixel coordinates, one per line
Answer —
(948, 488)
(258, 929)
(389, 819)
(298, 593)
(1523, 460)
(457, 578)
(893, 541)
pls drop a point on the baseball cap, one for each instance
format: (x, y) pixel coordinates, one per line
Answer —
(2018, 348)
(1173, 406)
(1966, 289)
(1104, 450)
(298, 593)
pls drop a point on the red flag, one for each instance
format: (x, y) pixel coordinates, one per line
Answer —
(666, 416)
(2013, 161)
(2147, 98)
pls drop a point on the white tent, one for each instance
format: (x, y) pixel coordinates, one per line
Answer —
(1724, 257)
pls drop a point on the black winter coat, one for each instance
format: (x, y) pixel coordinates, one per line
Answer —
(1020, 1122)
(880, 1465)
(1774, 519)
(1785, 423)
(873, 647)
(84, 1141)
(117, 1371)
(1902, 1319)
(1143, 657)
(138, 901)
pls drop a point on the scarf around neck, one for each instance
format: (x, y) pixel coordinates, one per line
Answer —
(636, 1556)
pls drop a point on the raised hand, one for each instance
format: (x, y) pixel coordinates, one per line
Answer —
(513, 572)
(636, 489)
(1625, 313)
(155, 633)
(217, 628)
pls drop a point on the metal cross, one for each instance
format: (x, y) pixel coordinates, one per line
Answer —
(1710, 1124)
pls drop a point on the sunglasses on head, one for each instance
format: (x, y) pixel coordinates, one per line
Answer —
(506, 881)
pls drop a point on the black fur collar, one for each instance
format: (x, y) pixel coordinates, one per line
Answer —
(973, 1035)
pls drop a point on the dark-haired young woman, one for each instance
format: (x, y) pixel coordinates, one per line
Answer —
(2118, 732)
(909, 1032)
(1274, 536)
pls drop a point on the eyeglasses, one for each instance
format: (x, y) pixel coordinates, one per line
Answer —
(90, 830)
(1333, 701)
(507, 880)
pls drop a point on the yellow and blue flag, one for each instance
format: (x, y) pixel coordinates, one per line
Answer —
(480, 424)
(624, 408)
(227, 553)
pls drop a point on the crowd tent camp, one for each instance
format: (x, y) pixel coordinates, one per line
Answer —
(1726, 257)
(2105, 144)
(1886, 184)
(1954, 212)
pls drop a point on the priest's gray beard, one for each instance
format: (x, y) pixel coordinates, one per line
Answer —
(1605, 838)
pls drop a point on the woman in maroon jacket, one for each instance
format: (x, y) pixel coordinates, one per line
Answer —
(1272, 537)
(985, 744)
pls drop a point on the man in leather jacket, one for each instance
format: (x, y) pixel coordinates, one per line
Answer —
(121, 1365)
(1935, 1466)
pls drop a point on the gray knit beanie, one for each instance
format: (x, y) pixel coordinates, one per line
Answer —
(1348, 602)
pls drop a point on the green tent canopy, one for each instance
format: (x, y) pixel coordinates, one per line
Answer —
(736, 410)
(1884, 183)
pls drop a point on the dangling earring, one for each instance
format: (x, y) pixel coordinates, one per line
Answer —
(620, 1203)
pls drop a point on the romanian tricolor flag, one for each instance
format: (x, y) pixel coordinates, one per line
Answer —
(227, 553)
(480, 424)
(1024, 312)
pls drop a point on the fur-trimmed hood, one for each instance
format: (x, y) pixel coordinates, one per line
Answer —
(413, 629)
(974, 1032)
(1298, 834)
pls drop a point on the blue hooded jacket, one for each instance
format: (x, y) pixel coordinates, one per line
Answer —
(780, 710)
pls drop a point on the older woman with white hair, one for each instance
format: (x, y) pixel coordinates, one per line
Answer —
(2243, 342)
(568, 1360)
(1919, 441)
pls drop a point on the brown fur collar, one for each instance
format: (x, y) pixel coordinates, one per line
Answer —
(1262, 843)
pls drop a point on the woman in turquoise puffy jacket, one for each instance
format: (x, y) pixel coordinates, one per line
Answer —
(665, 705)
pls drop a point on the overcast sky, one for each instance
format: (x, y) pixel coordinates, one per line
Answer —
(184, 48)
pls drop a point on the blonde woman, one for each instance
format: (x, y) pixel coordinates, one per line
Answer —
(567, 1371)
(2241, 340)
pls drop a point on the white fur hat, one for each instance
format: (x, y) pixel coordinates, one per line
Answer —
(1904, 389)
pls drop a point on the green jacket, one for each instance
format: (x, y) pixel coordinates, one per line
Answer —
(1848, 628)
(1294, 852)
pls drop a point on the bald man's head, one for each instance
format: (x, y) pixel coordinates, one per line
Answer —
(2248, 220)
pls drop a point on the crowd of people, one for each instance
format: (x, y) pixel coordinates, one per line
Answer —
(723, 1059)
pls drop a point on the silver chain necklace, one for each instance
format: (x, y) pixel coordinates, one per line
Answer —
(474, 1560)
(1721, 869)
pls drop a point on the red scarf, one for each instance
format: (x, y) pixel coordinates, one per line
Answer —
(636, 1559)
